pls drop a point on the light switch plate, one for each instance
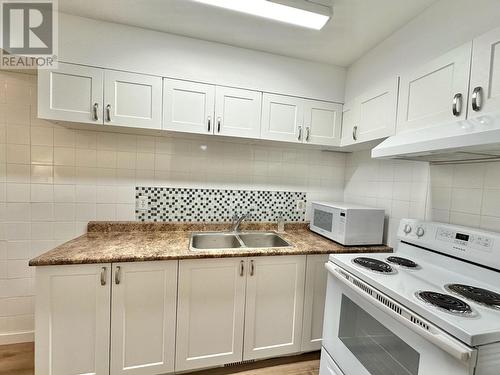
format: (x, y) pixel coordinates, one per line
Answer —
(300, 205)
(142, 203)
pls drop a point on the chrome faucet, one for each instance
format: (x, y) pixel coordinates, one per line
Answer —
(239, 220)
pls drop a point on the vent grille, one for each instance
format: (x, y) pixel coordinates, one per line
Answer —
(394, 306)
(389, 304)
(239, 363)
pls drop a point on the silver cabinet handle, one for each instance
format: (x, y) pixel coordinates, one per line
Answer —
(209, 123)
(103, 275)
(118, 275)
(457, 104)
(308, 133)
(242, 268)
(108, 113)
(95, 108)
(300, 133)
(477, 100)
(355, 133)
(252, 268)
(219, 120)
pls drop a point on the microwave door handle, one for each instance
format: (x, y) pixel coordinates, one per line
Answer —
(435, 336)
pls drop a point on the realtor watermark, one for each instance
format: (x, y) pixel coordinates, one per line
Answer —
(28, 34)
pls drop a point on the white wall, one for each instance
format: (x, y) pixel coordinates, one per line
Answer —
(102, 44)
(466, 194)
(441, 27)
(53, 180)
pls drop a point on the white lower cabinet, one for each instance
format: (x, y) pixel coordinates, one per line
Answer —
(74, 304)
(274, 305)
(314, 302)
(210, 312)
(143, 312)
(72, 319)
(151, 318)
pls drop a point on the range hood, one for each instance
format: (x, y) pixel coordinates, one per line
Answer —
(477, 139)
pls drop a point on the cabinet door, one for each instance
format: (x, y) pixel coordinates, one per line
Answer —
(377, 111)
(210, 313)
(237, 112)
(485, 78)
(72, 319)
(188, 106)
(322, 123)
(71, 93)
(132, 99)
(282, 118)
(314, 302)
(427, 95)
(349, 122)
(143, 317)
(274, 305)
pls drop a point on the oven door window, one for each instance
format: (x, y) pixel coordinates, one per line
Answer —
(323, 220)
(378, 349)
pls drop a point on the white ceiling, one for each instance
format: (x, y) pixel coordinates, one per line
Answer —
(356, 27)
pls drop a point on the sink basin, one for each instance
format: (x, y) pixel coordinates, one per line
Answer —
(207, 241)
(243, 240)
(267, 239)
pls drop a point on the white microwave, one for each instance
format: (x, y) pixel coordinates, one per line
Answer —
(348, 224)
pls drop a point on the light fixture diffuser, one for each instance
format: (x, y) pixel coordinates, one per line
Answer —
(278, 11)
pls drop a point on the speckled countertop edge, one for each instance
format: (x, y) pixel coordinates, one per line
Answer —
(111, 242)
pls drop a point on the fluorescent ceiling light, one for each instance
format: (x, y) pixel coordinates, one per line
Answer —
(274, 11)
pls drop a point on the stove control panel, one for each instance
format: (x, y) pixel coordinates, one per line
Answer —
(470, 244)
(462, 240)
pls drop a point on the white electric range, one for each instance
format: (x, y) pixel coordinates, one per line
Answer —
(432, 307)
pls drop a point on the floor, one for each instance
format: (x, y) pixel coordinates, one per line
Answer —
(17, 359)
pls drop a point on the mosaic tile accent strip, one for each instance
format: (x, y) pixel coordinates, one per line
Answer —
(214, 205)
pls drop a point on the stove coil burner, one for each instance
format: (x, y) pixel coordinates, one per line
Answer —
(445, 302)
(481, 296)
(403, 262)
(374, 265)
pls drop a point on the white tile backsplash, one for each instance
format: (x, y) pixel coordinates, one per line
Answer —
(399, 187)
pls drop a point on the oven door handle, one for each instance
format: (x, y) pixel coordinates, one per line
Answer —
(435, 335)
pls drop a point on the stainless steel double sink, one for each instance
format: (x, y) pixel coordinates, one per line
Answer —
(235, 240)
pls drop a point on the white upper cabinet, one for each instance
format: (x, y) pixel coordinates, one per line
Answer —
(322, 123)
(71, 93)
(274, 306)
(72, 319)
(377, 112)
(143, 313)
(237, 112)
(132, 99)
(436, 92)
(210, 312)
(188, 106)
(291, 119)
(485, 77)
(282, 118)
(314, 302)
(372, 115)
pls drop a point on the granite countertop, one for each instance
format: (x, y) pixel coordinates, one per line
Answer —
(110, 242)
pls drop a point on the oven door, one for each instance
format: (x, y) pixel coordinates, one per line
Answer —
(367, 333)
